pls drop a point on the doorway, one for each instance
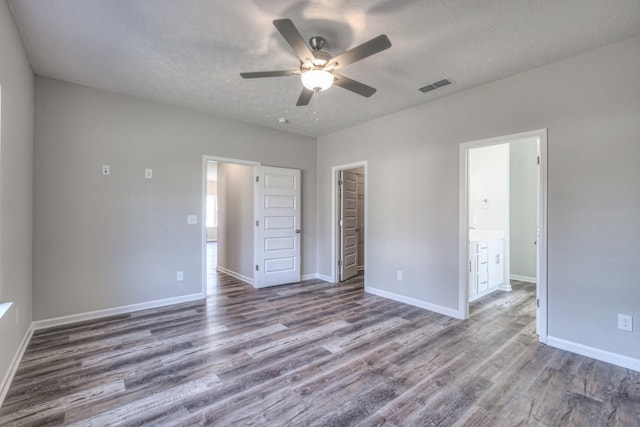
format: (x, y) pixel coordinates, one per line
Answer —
(257, 223)
(349, 223)
(211, 226)
(226, 246)
(503, 228)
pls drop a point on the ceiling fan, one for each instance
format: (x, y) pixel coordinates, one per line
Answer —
(318, 69)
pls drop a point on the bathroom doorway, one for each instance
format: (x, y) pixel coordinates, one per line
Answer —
(503, 219)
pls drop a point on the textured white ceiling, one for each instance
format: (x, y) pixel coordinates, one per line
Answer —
(190, 53)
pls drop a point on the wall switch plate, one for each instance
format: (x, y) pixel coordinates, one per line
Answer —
(180, 276)
(106, 170)
(148, 173)
(625, 322)
(192, 219)
(399, 274)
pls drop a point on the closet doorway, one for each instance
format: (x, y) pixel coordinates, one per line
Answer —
(349, 224)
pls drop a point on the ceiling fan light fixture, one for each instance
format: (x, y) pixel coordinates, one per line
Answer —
(317, 80)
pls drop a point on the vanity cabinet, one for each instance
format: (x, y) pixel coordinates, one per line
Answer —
(486, 266)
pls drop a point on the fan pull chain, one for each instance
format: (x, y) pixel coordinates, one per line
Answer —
(315, 106)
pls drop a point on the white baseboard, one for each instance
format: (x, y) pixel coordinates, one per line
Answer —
(595, 353)
(238, 276)
(523, 278)
(15, 362)
(415, 302)
(504, 287)
(316, 276)
(324, 277)
(74, 318)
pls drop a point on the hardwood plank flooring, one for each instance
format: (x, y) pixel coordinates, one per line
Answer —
(314, 354)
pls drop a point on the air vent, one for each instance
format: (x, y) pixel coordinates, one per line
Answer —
(436, 85)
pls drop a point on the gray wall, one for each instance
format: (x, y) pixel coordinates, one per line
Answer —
(235, 232)
(97, 244)
(16, 183)
(523, 213)
(594, 196)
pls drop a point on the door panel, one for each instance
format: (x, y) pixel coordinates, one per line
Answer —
(348, 225)
(277, 218)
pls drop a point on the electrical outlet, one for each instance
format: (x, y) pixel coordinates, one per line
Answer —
(399, 275)
(625, 322)
(192, 219)
(180, 276)
(106, 170)
(148, 173)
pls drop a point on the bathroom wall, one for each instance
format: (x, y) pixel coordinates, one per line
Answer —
(489, 187)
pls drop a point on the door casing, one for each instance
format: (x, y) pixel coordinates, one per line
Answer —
(541, 269)
(335, 208)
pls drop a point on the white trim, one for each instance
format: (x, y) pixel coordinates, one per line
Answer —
(595, 353)
(238, 276)
(97, 314)
(15, 362)
(523, 278)
(317, 276)
(203, 212)
(541, 288)
(324, 277)
(335, 216)
(542, 327)
(415, 302)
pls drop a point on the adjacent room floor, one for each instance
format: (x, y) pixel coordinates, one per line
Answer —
(315, 353)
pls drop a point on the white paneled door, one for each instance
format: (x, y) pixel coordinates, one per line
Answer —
(348, 225)
(277, 222)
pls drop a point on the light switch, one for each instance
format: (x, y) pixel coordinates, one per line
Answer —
(148, 173)
(192, 219)
(106, 170)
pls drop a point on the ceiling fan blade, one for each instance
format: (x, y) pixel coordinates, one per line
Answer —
(373, 46)
(259, 74)
(304, 98)
(353, 85)
(295, 40)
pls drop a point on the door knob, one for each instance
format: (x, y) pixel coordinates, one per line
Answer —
(298, 231)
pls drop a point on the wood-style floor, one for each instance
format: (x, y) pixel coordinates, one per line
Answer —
(315, 354)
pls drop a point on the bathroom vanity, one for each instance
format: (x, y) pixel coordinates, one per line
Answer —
(486, 262)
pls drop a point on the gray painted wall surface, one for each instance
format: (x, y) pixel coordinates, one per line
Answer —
(594, 196)
(16, 188)
(98, 244)
(235, 233)
(523, 207)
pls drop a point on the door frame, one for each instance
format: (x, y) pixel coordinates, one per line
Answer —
(541, 249)
(335, 208)
(203, 209)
